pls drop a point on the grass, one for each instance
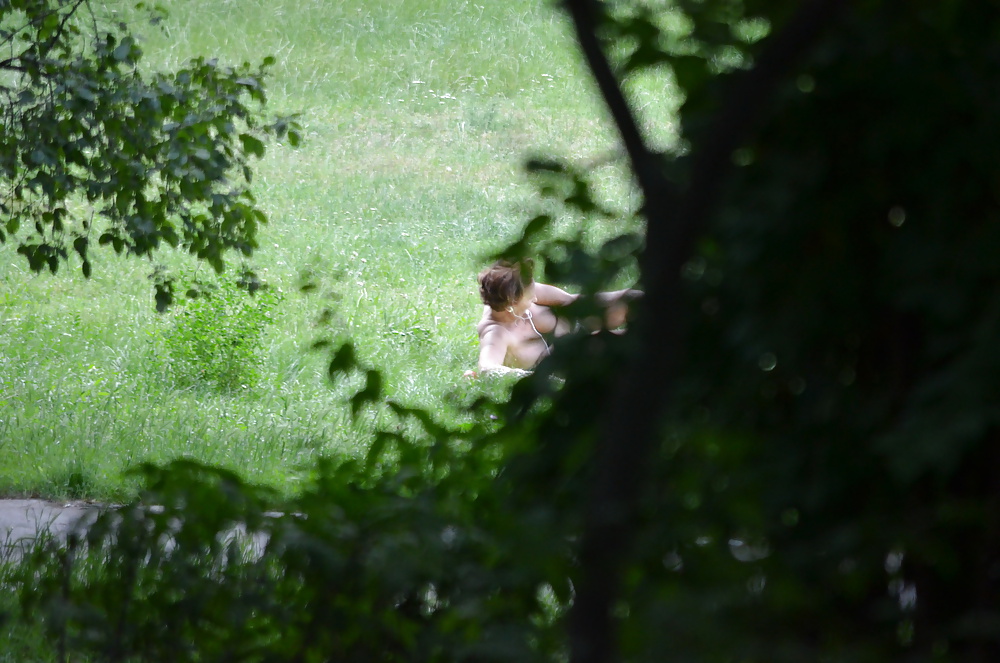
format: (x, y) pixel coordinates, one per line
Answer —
(418, 116)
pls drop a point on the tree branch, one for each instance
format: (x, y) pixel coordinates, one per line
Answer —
(586, 15)
(10, 63)
(62, 25)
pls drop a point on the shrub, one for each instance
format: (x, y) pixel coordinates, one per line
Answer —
(215, 337)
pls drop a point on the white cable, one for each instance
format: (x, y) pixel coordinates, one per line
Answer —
(527, 316)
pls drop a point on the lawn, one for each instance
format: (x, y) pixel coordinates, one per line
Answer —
(418, 117)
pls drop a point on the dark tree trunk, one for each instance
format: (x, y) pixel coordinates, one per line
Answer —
(674, 219)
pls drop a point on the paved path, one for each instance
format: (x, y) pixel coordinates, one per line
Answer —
(22, 521)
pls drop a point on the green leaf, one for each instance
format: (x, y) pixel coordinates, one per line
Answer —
(252, 145)
(49, 26)
(535, 227)
(84, 92)
(123, 51)
(164, 296)
(80, 245)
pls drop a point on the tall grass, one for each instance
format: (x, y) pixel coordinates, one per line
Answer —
(417, 117)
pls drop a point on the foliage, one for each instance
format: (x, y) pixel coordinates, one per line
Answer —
(355, 568)
(789, 457)
(215, 337)
(97, 152)
(824, 305)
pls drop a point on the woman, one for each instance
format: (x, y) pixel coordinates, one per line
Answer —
(518, 323)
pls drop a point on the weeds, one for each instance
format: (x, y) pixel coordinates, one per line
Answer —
(215, 338)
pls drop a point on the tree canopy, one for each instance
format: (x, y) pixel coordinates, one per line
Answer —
(96, 151)
(790, 456)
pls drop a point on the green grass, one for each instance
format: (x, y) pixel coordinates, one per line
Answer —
(417, 116)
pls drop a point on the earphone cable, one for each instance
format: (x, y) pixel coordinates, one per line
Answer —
(527, 316)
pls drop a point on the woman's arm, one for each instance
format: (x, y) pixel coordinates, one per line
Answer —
(549, 295)
(492, 349)
(616, 304)
(492, 352)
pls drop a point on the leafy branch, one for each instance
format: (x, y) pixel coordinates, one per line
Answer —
(160, 159)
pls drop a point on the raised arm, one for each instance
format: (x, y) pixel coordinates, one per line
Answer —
(615, 303)
(549, 295)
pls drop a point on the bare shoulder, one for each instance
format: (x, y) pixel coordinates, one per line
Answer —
(487, 326)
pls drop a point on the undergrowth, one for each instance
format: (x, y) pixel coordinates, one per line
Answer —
(215, 337)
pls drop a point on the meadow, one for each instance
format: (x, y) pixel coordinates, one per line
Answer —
(417, 119)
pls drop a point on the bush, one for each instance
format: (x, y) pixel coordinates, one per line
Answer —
(215, 337)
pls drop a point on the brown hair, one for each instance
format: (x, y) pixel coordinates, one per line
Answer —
(504, 283)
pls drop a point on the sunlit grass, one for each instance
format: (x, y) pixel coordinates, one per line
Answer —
(417, 116)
